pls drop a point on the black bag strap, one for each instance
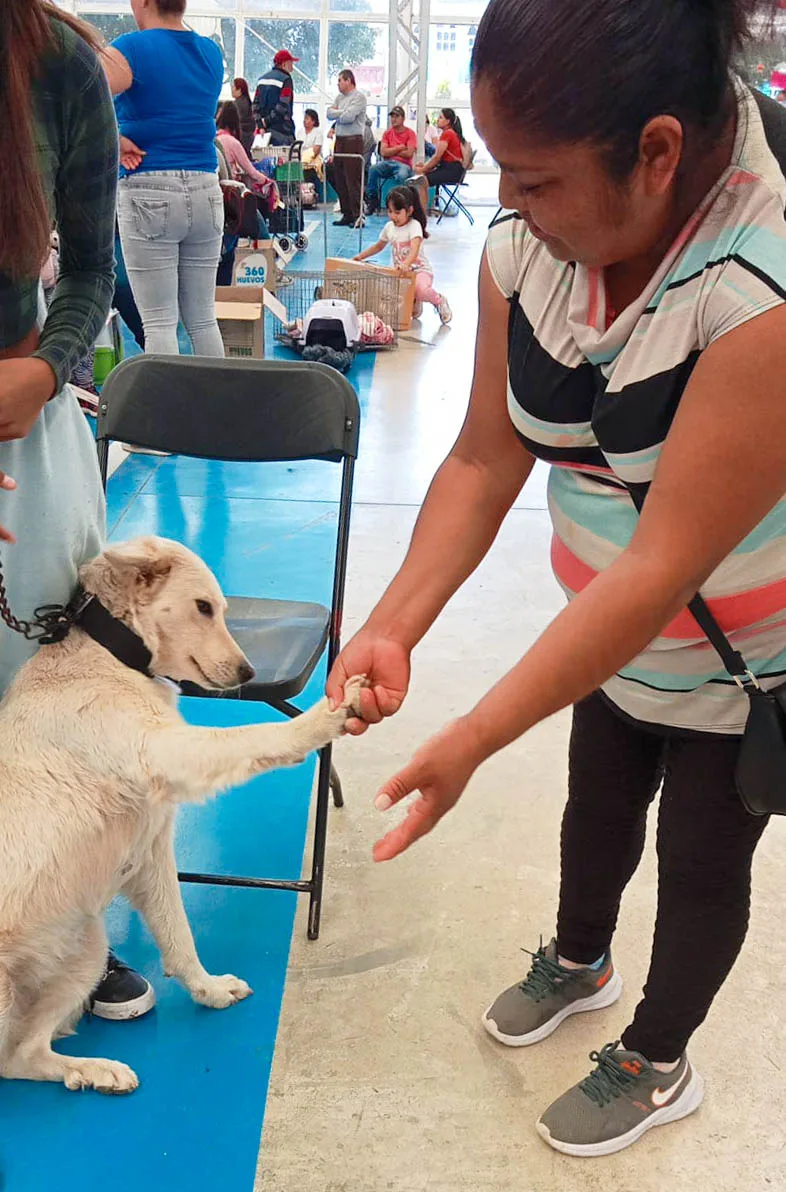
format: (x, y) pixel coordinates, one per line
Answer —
(732, 659)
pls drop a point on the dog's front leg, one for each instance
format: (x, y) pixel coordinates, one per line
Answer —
(155, 891)
(194, 762)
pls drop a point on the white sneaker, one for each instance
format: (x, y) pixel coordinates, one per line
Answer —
(445, 313)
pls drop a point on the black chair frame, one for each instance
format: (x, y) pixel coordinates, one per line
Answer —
(326, 775)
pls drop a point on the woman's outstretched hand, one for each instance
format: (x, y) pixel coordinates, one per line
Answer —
(386, 665)
(440, 771)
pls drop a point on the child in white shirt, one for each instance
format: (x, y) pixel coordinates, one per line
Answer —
(405, 233)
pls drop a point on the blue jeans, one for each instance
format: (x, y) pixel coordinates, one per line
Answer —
(379, 173)
(171, 228)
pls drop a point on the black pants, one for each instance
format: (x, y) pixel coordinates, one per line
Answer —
(706, 841)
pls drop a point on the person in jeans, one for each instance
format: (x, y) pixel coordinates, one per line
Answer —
(170, 208)
(58, 116)
(349, 113)
(394, 159)
(632, 333)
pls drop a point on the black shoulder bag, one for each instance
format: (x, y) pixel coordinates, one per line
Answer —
(761, 766)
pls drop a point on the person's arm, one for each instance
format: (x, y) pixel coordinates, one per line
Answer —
(85, 218)
(241, 159)
(426, 167)
(352, 109)
(117, 69)
(406, 152)
(334, 112)
(721, 470)
(371, 251)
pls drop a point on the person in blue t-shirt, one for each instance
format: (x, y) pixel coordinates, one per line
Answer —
(167, 81)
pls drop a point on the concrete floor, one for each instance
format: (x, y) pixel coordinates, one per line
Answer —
(383, 1078)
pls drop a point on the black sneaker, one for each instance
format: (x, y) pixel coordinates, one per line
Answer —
(342, 223)
(121, 993)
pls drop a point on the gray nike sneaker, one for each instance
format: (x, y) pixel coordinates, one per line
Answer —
(530, 1011)
(618, 1102)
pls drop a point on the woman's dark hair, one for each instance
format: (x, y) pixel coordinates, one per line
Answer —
(25, 221)
(454, 123)
(228, 118)
(242, 86)
(348, 77)
(401, 198)
(314, 114)
(635, 59)
(171, 8)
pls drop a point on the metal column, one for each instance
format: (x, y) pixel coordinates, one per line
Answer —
(408, 59)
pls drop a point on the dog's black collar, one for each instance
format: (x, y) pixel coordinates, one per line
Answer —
(97, 622)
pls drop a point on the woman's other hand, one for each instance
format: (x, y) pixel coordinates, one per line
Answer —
(26, 385)
(440, 771)
(385, 663)
(131, 156)
(8, 484)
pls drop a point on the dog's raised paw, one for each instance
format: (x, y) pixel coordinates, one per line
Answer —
(352, 690)
(105, 1076)
(220, 992)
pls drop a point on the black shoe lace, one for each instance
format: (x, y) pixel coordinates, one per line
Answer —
(544, 975)
(609, 1078)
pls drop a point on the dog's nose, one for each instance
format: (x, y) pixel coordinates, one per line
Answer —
(245, 673)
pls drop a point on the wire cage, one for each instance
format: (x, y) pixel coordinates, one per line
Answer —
(370, 292)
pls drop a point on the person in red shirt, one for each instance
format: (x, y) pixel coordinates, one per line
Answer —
(446, 167)
(394, 159)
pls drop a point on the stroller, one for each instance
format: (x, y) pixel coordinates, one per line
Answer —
(286, 223)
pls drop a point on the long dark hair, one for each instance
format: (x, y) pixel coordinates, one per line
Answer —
(635, 59)
(228, 118)
(242, 86)
(454, 123)
(25, 223)
(401, 198)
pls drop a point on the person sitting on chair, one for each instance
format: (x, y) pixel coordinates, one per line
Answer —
(446, 167)
(395, 154)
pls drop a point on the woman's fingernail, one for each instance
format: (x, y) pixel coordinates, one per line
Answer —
(383, 802)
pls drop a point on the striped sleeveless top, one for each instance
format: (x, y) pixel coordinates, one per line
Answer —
(597, 403)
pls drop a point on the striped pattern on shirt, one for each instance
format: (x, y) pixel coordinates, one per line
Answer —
(597, 402)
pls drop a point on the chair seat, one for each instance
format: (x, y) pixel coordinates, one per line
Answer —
(282, 639)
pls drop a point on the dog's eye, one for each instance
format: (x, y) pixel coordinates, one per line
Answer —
(205, 607)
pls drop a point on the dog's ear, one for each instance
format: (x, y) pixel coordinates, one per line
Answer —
(131, 569)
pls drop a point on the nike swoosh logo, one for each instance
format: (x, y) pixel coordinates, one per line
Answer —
(661, 1097)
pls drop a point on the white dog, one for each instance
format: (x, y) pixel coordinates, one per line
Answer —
(95, 758)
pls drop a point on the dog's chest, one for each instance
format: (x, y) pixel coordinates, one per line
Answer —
(148, 827)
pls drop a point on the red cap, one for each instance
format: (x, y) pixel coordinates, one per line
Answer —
(284, 56)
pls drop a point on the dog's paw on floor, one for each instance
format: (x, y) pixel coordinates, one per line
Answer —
(106, 1076)
(220, 992)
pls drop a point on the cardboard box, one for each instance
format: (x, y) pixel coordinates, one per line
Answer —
(393, 300)
(241, 320)
(255, 266)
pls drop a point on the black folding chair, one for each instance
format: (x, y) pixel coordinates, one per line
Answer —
(453, 198)
(264, 412)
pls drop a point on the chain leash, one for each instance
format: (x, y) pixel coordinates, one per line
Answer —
(51, 622)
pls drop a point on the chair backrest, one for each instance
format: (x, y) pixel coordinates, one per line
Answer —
(253, 410)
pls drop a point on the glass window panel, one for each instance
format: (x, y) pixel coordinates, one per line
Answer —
(449, 58)
(375, 6)
(462, 10)
(109, 26)
(301, 38)
(763, 62)
(362, 48)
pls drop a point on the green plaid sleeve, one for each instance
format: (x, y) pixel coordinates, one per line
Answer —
(85, 188)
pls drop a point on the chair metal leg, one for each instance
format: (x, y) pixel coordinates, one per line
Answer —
(320, 841)
(335, 786)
